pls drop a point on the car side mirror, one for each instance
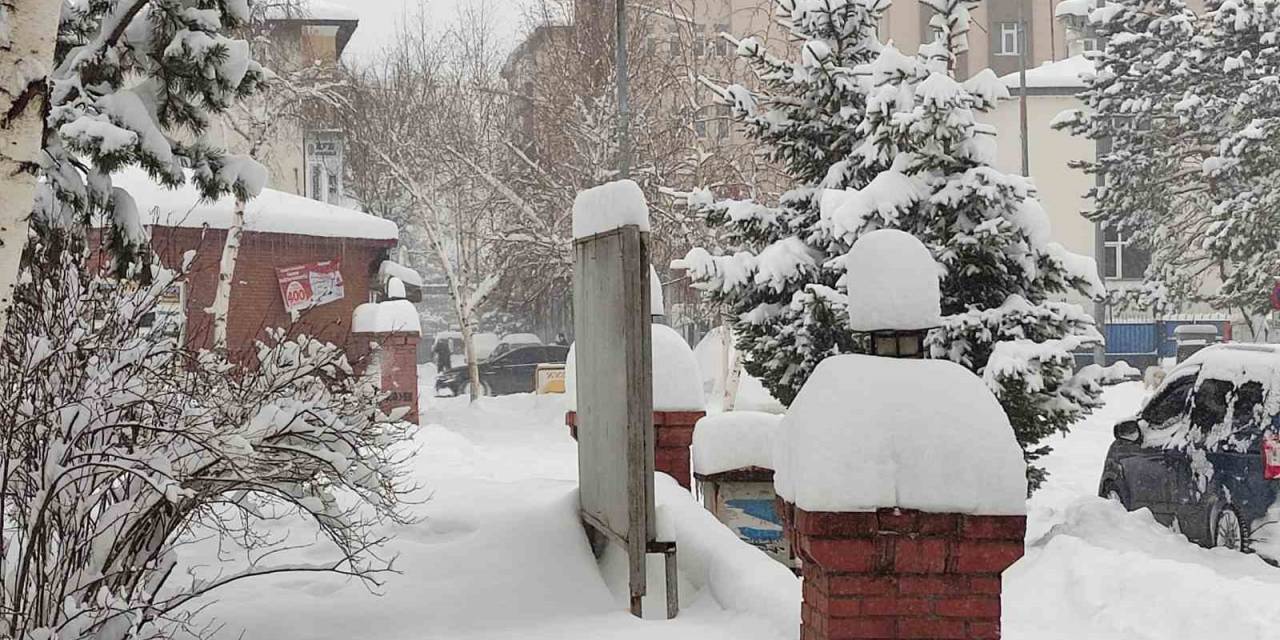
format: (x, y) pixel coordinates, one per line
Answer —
(1128, 431)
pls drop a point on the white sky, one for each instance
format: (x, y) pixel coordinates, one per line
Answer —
(379, 19)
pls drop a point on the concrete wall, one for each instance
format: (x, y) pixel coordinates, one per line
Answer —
(1062, 189)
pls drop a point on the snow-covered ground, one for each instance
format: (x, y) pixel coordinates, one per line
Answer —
(500, 554)
(1095, 571)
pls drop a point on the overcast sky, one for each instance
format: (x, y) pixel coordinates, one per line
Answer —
(379, 19)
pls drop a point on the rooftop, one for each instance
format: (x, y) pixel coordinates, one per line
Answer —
(271, 212)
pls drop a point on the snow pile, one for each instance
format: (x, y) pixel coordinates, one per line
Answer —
(389, 316)
(609, 206)
(390, 269)
(677, 383)
(271, 212)
(1074, 8)
(893, 283)
(734, 440)
(1115, 373)
(657, 304)
(1069, 73)
(712, 558)
(859, 437)
(1106, 574)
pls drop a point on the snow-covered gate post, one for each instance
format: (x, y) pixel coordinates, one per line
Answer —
(904, 486)
(614, 383)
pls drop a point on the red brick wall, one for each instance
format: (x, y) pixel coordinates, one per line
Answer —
(903, 574)
(673, 435)
(399, 369)
(255, 293)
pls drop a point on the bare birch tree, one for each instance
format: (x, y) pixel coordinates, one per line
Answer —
(28, 31)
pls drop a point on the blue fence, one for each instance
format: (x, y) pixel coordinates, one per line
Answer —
(1142, 343)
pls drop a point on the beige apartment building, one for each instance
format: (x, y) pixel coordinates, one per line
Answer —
(303, 155)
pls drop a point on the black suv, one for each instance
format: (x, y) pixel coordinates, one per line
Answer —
(1204, 454)
(510, 372)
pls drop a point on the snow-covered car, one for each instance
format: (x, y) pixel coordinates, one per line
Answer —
(1204, 453)
(513, 340)
(510, 372)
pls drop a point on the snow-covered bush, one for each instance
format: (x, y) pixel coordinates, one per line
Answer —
(119, 446)
(878, 138)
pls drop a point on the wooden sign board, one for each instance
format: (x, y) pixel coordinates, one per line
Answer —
(615, 392)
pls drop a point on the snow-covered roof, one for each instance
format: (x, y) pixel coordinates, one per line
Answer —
(1068, 73)
(271, 212)
(734, 440)
(390, 316)
(312, 10)
(1077, 8)
(677, 381)
(893, 283)
(608, 207)
(858, 437)
(390, 269)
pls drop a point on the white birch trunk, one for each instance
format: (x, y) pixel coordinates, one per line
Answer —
(226, 274)
(28, 30)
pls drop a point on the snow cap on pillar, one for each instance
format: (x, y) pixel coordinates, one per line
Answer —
(892, 281)
(677, 380)
(609, 206)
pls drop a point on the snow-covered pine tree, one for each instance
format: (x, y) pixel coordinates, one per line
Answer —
(135, 82)
(1187, 105)
(775, 274)
(911, 156)
(1154, 124)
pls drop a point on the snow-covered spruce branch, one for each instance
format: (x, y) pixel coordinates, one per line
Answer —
(119, 447)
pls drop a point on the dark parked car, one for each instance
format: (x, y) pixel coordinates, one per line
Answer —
(1204, 453)
(510, 372)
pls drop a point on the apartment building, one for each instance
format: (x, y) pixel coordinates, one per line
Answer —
(302, 151)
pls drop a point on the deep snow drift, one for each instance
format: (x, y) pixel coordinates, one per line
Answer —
(500, 554)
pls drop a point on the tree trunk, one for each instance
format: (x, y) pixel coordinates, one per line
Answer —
(28, 30)
(226, 273)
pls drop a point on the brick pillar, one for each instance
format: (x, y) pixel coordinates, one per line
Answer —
(398, 366)
(673, 431)
(899, 573)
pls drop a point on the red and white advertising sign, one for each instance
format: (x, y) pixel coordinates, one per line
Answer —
(310, 285)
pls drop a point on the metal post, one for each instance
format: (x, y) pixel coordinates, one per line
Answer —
(1101, 148)
(623, 85)
(1022, 82)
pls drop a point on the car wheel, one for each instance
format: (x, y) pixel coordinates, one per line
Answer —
(485, 390)
(1229, 532)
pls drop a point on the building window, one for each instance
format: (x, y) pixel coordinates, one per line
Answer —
(1124, 258)
(324, 166)
(1010, 39)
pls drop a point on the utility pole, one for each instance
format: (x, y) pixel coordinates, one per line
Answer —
(1103, 147)
(1022, 81)
(624, 90)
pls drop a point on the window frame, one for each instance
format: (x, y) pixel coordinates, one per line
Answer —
(1005, 31)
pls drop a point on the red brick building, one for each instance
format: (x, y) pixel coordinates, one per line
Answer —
(281, 230)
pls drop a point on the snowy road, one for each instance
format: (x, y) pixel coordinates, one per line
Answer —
(500, 555)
